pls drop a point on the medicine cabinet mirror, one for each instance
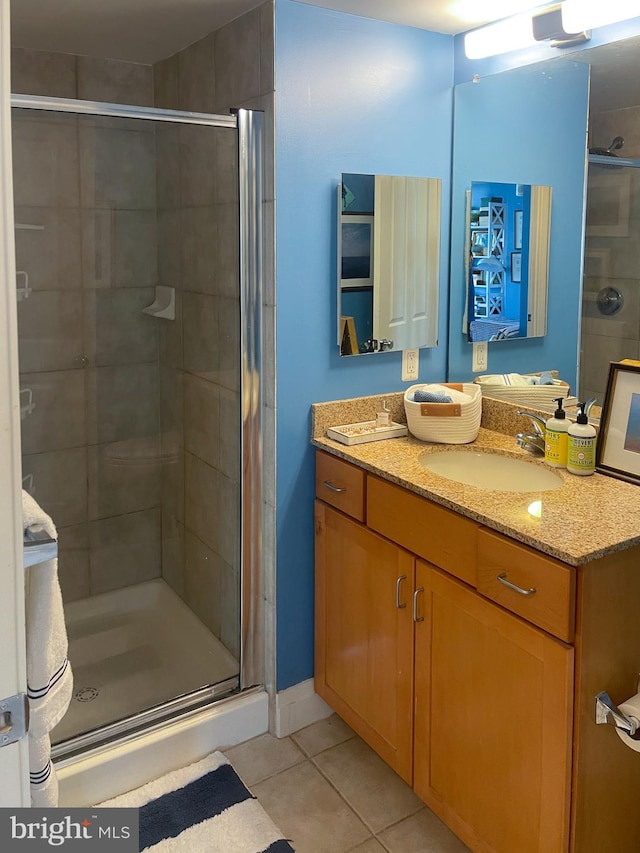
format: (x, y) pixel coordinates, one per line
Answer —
(388, 262)
(507, 269)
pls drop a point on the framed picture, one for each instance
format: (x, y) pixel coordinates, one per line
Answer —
(608, 202)
(516, 267)
(618, 448)
(356, 251)
(479, 242)
(517, 228)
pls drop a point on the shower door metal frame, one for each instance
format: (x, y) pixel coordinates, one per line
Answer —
(249, 124)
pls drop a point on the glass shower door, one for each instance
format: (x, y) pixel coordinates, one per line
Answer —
(127, 249)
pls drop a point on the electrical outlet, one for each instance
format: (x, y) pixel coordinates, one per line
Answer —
(410, 365)
(480, 357)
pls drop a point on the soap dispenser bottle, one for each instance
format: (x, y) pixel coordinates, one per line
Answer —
(555, 438)
(581, 453)
(383, 416)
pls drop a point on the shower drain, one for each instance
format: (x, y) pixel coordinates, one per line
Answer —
(87, 694)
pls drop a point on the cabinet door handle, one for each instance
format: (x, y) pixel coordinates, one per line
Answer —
(503, 580)
(333, 488)
(400, 605)
(416, 595)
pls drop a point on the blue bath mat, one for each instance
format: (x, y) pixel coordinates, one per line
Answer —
(202, 808)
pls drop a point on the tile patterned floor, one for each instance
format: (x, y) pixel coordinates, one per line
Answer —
(330, 793)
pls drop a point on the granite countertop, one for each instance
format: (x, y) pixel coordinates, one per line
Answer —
(582, 520)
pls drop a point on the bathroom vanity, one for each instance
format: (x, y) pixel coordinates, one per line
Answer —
(464, 634)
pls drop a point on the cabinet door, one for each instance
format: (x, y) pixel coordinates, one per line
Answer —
(492, 721)
(364, 634)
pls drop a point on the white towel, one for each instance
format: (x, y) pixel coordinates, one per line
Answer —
(49, 678)
(504, 379)
(456, 396)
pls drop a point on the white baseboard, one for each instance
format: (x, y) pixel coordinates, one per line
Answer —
(297, 707)
(110, 771)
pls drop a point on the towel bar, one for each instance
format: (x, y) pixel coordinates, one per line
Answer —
(38, 548)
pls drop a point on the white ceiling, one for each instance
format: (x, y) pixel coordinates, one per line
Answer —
(149, 30)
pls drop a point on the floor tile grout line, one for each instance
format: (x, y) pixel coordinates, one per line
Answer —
(304, 758)
(360, 817)
(348, 805)
(343, 797)
(324, 749)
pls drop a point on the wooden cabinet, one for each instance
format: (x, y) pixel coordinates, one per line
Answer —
(364, 634)
(470, 662)
(341, 485)
(492, 720)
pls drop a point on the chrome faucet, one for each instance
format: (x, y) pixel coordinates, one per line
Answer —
(533, 442)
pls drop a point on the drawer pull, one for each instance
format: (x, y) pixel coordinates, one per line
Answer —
(503, 580)
(332, 488)
(416, 595)
(400, 605)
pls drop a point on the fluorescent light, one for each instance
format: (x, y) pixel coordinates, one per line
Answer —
(579, 15)
(513, 33)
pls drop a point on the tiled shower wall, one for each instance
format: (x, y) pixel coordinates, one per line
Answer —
(198, 236)
(611, 253)
(177, 513)
(88, 354)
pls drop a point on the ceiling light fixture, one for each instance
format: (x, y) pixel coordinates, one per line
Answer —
(525, 30)
(513, 33)
(548, 25)
(586, 14)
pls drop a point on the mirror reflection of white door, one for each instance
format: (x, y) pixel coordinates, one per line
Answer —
(14, 764)
(406, 268)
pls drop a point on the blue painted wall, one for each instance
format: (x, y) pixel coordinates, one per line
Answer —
(527, 126)
(352, 95)
(358, 95)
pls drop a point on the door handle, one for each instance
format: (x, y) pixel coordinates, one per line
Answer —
(503, 580)
(400, 605)
(416, 595)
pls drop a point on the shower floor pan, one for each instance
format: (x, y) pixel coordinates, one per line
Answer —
(132, 650)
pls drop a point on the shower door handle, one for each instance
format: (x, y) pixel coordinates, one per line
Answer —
(14, 719)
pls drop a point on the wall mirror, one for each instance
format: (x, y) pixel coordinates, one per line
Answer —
(597, 235)
(507, 273)
(388, 262)
(525, 127)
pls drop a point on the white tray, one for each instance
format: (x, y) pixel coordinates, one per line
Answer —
(365, 431)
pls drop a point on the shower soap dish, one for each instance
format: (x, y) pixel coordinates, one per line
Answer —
(365, 431)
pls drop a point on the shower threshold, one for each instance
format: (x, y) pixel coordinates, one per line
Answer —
(139, 656)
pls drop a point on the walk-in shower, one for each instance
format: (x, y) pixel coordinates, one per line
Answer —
(610, 303)
(138, 250)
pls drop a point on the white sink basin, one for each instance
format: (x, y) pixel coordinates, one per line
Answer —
(491, 471)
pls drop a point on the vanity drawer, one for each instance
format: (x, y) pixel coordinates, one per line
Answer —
(502, 561)
(434, 533)
(340, 484)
